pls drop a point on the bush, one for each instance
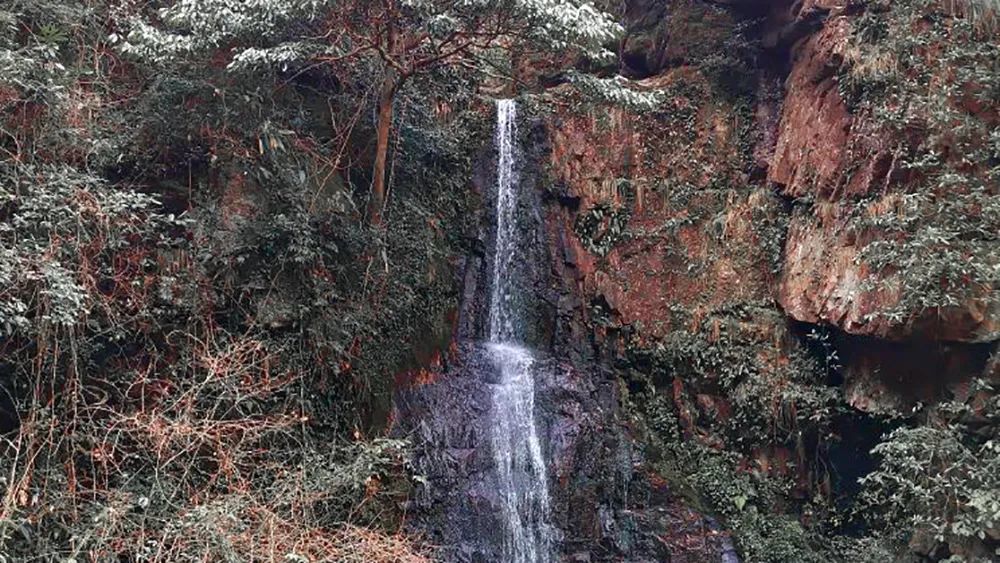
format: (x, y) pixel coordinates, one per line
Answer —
(942, 480)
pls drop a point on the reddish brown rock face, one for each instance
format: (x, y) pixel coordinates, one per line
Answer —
(822, 280)
(701, 252)
(831, 157)
(815, 126)
(825, 281)
(704, 252)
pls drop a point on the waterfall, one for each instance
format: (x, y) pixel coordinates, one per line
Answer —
(517, 451)
(504, 292)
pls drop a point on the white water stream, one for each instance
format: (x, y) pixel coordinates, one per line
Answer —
(517, 452)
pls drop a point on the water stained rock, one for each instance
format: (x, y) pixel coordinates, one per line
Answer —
(519, 439)
(604, 503)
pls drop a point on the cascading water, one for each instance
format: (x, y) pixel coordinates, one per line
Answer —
(478, 423)
(517, 451)
(503, 309)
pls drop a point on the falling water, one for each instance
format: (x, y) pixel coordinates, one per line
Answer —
(517, 452)
(503, 328)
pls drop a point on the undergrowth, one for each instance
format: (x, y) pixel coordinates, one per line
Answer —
(198, 332)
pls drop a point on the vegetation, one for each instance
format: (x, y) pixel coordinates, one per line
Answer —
(198, 327)
(938, 212)
(186, 324)
(226, 226)
(940, 478)
(407, 38)
(601, 228)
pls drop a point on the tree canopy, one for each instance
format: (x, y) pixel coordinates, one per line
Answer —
(405, 37)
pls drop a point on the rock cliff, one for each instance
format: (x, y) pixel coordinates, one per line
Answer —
(734, 254)
(751, 296)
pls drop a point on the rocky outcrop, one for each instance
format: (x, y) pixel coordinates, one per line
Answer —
(831, 157)
(753, 209)
(824, 154)
(604, 507)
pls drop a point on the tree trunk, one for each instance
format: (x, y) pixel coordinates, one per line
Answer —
(385, 105)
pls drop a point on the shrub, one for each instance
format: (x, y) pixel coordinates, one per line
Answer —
(942, 479)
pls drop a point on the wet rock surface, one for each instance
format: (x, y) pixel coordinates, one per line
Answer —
(603, 504)
(737, 211)
(606, 504)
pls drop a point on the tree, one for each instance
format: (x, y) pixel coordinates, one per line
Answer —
(407, 37)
